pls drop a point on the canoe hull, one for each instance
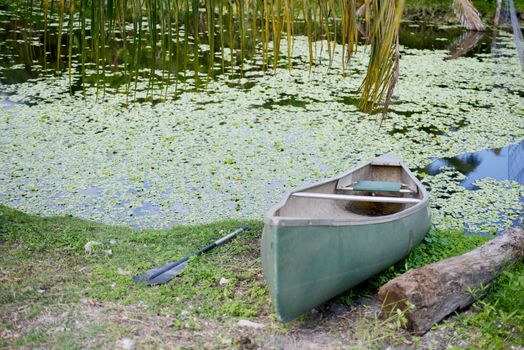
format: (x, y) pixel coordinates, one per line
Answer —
(308, 265)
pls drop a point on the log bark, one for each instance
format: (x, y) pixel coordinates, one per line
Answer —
(430, 293)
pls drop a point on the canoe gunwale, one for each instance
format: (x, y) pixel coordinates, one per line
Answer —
(275, 220)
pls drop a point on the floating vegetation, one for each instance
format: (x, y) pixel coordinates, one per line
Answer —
(494, 205)
(199, 156)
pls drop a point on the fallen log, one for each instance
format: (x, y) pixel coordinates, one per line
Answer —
(428, 294)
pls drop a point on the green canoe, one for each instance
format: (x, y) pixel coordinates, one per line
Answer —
(325, 238)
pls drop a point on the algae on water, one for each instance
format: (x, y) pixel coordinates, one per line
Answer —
(230, 150)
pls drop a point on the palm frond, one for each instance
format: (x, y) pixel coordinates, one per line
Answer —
(468, 15)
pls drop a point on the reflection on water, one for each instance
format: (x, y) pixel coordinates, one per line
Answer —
(505, 163)
(147, 209)
(5, 103)
(433, 36)
(25, 54)
(464, 43)
(92, 191)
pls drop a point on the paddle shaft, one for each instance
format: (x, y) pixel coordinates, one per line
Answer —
(201, 251)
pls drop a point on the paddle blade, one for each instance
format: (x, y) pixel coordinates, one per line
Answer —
(151, 279)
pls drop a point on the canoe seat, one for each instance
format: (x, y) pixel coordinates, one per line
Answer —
(377, 186)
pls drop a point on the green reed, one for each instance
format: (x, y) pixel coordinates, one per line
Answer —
(45, 9)
(383, 67)
(70, 47)
(167, 36)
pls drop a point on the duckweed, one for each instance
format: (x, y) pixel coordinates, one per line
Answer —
(188, 155)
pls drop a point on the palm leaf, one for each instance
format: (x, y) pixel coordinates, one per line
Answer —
(468, 15)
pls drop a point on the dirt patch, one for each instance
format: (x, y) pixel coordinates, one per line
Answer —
(90, 324)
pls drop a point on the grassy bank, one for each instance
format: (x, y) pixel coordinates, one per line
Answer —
(56, 294)
(441, 10)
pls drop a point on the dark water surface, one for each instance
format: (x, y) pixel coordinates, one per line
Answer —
(506, 163)
(23, 55)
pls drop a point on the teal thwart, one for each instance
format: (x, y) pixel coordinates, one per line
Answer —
(377, 186)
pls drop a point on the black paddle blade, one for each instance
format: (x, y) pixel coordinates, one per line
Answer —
(163, 274)
(152, 277)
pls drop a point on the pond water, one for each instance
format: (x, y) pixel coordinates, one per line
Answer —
(506, 163)
(230, 148)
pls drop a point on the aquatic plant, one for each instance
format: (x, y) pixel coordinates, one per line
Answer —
(232, 150)
(159, 35)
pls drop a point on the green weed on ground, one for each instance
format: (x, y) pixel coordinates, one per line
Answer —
(498, 319)
(45, 260)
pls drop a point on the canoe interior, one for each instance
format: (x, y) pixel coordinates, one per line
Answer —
(313, 208)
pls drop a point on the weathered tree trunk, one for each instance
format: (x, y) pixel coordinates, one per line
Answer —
(430, 293)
